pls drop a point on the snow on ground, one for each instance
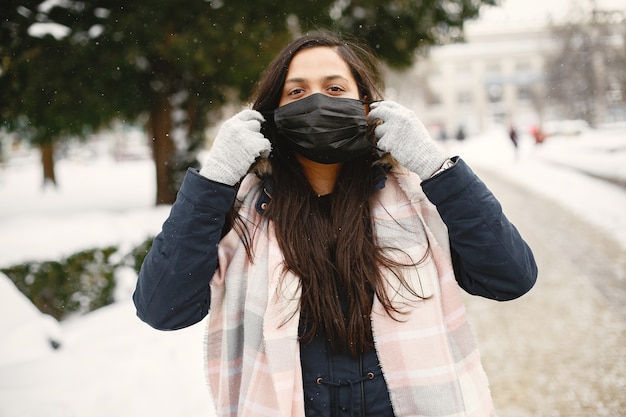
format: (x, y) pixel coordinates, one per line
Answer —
(111, 364)
(564, 168)
(98, 202)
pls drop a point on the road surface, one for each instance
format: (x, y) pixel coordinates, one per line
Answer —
(561, 349)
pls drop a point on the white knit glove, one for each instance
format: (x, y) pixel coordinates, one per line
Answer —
(401, 133)
(238, 144)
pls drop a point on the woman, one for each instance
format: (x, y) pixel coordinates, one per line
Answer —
(332, 269)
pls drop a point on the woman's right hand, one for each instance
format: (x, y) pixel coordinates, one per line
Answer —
(238, 144)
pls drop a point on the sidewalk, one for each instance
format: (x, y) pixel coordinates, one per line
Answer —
(561, 349)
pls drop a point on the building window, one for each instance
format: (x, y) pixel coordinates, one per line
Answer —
(494, 92)
(433, 99)
(524, 93)
(464, 97)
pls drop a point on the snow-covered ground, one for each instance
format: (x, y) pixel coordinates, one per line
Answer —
(111, 364)
(581, 172)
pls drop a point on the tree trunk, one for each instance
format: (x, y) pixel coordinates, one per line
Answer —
(163, 150)
(47, 163)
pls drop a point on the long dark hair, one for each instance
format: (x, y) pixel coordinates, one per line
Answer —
(329, 243)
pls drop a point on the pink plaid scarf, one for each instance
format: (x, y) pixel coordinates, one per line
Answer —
(430, 360)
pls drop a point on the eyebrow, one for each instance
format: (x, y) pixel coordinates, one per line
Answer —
(326, 78)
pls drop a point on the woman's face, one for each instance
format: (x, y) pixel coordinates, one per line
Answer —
(318, 70)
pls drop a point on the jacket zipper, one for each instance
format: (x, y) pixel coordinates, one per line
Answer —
(362, 386)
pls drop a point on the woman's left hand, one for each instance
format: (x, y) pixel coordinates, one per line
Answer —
(401, 133)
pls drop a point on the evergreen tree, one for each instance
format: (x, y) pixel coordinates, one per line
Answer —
(178, 63)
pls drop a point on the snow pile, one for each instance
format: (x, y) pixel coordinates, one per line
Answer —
(26, 332)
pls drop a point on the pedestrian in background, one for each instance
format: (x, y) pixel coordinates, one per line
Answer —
(514, 140)
(537, 134)
(332, 267)
(460, 134)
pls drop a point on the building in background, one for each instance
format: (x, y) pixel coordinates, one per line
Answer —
(508, 75)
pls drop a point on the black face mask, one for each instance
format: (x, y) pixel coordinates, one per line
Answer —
(324, 129)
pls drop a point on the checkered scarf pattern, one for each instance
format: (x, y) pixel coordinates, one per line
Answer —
(429, 357)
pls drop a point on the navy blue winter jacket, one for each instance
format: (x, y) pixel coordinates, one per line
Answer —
(490, 259)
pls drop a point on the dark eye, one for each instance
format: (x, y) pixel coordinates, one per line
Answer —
(336, 89)
(295, 92)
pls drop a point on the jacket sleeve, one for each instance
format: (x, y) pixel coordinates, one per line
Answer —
(173, 290)
(489, 256)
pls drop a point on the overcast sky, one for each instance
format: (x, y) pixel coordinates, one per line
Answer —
(528, 12)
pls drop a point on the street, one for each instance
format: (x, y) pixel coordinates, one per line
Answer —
(561, 349)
